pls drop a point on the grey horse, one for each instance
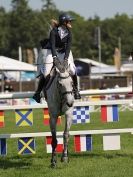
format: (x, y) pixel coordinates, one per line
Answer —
(60, 99)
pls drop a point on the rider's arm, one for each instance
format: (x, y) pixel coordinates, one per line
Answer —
(68, 45)
(52, 42)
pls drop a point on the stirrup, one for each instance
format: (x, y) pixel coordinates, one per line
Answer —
(37, 97)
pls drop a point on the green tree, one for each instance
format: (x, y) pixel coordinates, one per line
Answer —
(24, 27)
(121, 26)
(4, 32)
(48, 4)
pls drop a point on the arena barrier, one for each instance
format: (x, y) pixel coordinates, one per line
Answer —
(82, 139)
(121, 90)
(76, 103)
(72, 133)
(25, 98)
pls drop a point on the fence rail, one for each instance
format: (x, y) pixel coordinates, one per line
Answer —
(121, 90)
(82, 132)
(76, 103)
(124, 103)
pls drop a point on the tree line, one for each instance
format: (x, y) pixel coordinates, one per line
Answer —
(25, 27)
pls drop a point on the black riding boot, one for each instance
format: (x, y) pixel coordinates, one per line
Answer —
(75, 87)
(41, 84)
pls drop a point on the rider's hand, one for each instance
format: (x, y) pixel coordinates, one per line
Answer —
(65, 63)
(58, 64)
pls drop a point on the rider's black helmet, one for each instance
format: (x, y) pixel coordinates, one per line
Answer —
(65, 18)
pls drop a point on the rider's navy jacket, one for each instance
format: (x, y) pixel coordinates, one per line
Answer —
(58, 44)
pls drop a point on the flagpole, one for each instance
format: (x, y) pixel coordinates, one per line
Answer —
(36, 56)
(20, 59)
(99, 44)
(99, 52)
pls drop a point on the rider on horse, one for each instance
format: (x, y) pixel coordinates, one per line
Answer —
(58, 52)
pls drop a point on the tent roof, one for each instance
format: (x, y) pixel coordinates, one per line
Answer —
(9, 64)
(127, 66)
(92, 62)
(104, 70)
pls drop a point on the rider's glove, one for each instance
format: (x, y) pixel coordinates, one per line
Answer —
(58, 64)
(65, 63)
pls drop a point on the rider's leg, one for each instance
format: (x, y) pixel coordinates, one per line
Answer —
(45, 70)
(41, 84)
(75, 87)
(74, 76)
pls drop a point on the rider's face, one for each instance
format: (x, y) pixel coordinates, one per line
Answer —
(68, 24)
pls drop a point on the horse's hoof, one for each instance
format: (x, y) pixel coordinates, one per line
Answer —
(65, 159)
(53, 165)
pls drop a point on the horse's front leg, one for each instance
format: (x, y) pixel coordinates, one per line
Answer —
(64, 157)
(68, 123)
(54, 145)
(53, 120)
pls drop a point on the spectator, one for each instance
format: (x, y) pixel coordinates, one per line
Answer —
(8, 87)
(103, 86)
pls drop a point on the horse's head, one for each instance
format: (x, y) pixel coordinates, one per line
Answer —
(66, 87)
(65, 82)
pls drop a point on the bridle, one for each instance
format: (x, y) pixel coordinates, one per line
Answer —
(65, 77)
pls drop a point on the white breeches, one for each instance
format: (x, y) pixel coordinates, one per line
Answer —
(45, 62)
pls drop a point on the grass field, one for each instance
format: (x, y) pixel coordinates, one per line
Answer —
(97, 163)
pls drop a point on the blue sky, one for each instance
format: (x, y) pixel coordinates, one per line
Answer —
(86, 8)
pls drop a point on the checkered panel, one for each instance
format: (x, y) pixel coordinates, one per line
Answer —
(81, 115)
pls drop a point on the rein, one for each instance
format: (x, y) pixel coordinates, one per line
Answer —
(69, 92)
(43, 63)
(64, 77)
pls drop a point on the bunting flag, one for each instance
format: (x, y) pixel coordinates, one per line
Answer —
(109, 113)
(111, 142)
(2, 119)
(81, 114)
(83, 143)
(24, 117)
(47, 117)
(3, 147)
(26, 146)
(59, 147)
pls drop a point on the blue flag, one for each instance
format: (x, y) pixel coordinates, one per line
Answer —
(3, 147)
(26, 146)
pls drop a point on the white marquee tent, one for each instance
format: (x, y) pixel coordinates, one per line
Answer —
(9, 64)
(12, 68)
